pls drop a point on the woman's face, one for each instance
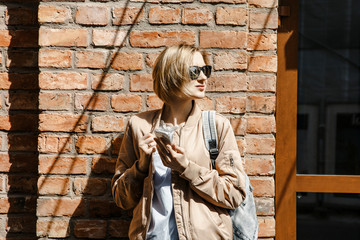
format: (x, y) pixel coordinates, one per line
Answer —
(195, 89)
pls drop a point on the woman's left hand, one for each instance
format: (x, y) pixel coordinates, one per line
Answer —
(172, 156)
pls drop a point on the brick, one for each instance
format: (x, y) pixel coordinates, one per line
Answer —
(261, 104)
(90, 144)
(127, 61)
(260, 145)
(21, 16)
(88, 101)
(128, 16)
(222, 39)
(260, 124)
(90, 229)
(103, 165)
(92, 15)
(53, 185)
(230, 60)
(22, 142)
(55, 58)
(62, 80)
(55, 101)
(54, 144)
(100, 208)
(263, 3)
(119, 228)
(261, 42)
(19, 163)
(62, 122)
(22, 59)
(23, 100)
(264, 63)
(164, 15)
(238, 124)
(151, 58)
(60, 207)
(107, 82)
(21, 224)
(90, 186)
(263, 186)
(109, 38)
(226, 104)
(231, 16)
(4, 205)
(266, 227)
(227, 82)
(91, 59)
(141, 82)
(265, 206)
(260, 166)
(161, 38)
(25, 205)
(54, 14)
(126, 102)
(15, 38)
(22, 184)
(63, 37)
(223, 1)
(5, 163)
(107, 123)
(205, 104)
(262, 83)
(62, 165)
(17, 81)
(54, 228)
(263, 19)
(19, 122)
(196, 15)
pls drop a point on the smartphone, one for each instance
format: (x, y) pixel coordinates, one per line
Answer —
(164, 136)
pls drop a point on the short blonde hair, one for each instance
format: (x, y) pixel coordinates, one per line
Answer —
(171, 70)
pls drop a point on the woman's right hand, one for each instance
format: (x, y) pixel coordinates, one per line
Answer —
(147, 146)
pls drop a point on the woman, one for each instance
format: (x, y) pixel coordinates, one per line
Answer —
(171, 188)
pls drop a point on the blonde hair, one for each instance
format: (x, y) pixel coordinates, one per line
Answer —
(171, 70)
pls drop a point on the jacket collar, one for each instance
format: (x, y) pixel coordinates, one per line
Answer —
(191, 121)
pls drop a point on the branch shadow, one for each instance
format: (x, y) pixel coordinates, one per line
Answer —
(97, 215)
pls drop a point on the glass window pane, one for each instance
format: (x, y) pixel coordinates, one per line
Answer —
(328, 136)
(329, 216)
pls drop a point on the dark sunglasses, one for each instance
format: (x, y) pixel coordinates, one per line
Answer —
(195, 71)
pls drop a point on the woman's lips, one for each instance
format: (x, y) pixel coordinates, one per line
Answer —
(201, 87)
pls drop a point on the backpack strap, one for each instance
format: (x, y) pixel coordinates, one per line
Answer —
(210, 135)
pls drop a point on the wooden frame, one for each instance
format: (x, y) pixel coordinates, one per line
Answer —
(286, 109)
(327, 183)
(287, 181)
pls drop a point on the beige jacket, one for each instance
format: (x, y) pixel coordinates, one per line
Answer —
(201, 194)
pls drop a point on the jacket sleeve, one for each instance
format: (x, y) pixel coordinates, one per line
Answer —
(127, 183)
(225, 185)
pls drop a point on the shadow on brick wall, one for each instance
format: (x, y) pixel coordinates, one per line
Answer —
(22, 106)
(96, 216)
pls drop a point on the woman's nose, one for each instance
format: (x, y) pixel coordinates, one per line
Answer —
(201, 76)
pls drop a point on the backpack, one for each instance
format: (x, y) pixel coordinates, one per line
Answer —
(244, 219)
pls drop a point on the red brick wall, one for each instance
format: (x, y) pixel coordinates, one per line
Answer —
(72, 72)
